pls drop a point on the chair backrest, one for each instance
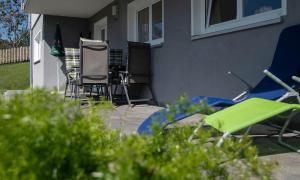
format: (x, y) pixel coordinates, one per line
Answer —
(139, 59)
(116, 57)
(72, 58)
(286, 61)
(93, 62)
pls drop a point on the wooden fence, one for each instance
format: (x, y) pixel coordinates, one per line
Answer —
(14, 55)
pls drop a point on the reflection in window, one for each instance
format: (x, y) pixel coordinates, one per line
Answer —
(143, 25)
(157, 22)
(252, 7)
(222, 11)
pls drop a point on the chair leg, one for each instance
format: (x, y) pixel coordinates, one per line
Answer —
(286, 124)
(122, 92)
(201, 124)
(76, 91)
(125, 89)
(115, 89)
(195, 131)
(91, 90)
(72, 91)
(68, 82)
(127, 95)
(110, 93)
(221, 141)
(152, 95)
(66, 89)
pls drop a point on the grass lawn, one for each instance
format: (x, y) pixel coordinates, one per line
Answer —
(14, 76)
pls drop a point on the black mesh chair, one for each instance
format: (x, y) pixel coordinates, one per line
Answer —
(138, 70)
(94, 65)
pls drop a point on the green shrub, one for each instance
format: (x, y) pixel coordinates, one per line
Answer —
(43, 137)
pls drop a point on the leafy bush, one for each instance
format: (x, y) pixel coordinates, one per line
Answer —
(43, 137)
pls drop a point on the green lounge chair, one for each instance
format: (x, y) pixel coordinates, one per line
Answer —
(248, 113)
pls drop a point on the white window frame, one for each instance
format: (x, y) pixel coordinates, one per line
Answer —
(201, 29)
(37, 47)
(98, 27)
(133, 9)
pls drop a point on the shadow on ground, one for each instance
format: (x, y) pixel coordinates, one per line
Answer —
(265, 138)
(269, 146)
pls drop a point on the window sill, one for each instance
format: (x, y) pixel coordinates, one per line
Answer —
(241, 28)
(159, 45)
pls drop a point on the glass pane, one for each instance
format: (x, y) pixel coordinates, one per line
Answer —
(103, 35)
(143, 25)
(157, 23)
(222, 11)
(252, 7)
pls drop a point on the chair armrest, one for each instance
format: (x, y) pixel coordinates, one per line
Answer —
(279, 81)
(240, 79)
(297, 79)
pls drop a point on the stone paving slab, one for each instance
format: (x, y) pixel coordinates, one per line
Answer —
(288, 167)
(128, 119)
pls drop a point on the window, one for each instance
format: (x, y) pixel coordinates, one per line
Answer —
(143, 25)
(37, 41)
(221, 11)
(157, 21)
(103, 34)
(219, 16)
(252, 7)
(145, 21)
(100, 29)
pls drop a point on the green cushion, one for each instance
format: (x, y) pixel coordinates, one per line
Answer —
(247, 113)
(72, 58)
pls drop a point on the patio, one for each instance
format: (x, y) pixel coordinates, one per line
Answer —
(287, 163)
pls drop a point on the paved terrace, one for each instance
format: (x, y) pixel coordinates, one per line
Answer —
(288, 168)
(128, 119)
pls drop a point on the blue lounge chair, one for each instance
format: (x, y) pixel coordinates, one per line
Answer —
(276, 85)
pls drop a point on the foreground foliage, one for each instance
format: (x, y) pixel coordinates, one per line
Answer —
(43, 137)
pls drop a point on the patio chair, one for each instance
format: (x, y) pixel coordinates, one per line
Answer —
(276, 85)
(248, 113)
(72, 70)
(116, 65)
(138, 70)
(94, 65)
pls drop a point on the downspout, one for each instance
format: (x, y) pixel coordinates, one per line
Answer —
(24, 4)
(30, 52)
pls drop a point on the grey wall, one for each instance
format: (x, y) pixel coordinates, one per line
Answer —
(199, 67)
(70, 29)
(116, 26)
(38, 67)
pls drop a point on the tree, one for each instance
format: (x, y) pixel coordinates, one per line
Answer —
(4, 44)
(13, 23)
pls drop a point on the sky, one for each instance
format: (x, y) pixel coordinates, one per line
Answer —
(3, 33)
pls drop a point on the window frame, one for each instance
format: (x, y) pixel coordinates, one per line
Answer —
(201, 28)
(134, 8)
(99, 26)
(37, 47)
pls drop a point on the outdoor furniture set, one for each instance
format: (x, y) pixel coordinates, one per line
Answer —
(95, 67)
(255, 105)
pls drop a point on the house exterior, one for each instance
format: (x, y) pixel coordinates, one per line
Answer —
(194, 42)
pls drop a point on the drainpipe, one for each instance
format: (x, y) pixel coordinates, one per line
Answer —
(30, 52)
(23, 4)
